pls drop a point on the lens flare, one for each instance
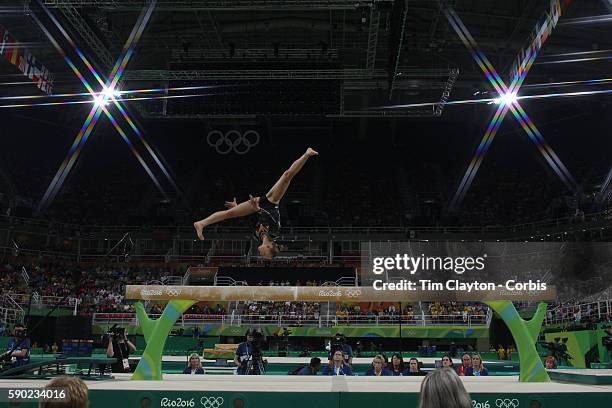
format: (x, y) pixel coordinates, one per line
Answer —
(508, 98)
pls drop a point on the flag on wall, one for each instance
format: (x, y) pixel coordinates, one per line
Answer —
(23, 59)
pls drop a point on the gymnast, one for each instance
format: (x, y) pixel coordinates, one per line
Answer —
(268, 223)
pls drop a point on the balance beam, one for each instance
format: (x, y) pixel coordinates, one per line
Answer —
(325, 294)
(181, 298)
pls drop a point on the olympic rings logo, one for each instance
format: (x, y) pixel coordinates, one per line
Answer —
(211, 402)
(173, 291)
(233, 140)
(352, 292)
(506, 403)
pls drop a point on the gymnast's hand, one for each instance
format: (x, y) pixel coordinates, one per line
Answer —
(254, 202)
(231, 204)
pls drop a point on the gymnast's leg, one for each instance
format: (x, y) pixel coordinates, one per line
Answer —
(235, 210)
(280, 188)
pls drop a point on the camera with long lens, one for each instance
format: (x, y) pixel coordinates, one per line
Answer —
(337, 343)
(255, 364)
(20, 332)
(115, 333)
(557, 349)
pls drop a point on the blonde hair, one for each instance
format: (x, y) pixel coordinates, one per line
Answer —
(76, 393)
(479, 358)
(443, 389)
(379, 357)
(195, 355)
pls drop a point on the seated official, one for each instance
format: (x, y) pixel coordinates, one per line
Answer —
(312, 368)
(397, 366)
(447, 361)
(478, 369)
(195, 365)
(338, 366)
(347, 350)
(466, 365)
(550, 363)
(414, 368)
(378, 368)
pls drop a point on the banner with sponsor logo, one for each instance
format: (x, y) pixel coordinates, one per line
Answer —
(15, 53)
(424, 332)
(421, 332)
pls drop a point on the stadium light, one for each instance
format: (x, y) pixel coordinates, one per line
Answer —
(507, 98)
(103, 98)
(110, 93)
(100, 100)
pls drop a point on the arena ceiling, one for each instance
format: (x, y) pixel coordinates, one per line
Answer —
(370, 53)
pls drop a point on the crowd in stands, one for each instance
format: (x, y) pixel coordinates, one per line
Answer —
(579, 313)
(100, 289)
(443, 311)
(380, 311)
(292, 283)
(295, 310)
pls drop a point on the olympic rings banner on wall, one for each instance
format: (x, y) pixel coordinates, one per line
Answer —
(23, 59)
(233, 141)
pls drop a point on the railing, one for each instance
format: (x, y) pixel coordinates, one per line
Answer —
(129, 319)
(227, 281)
(94, 248)
(532, 226)
(11, 303)
(22, 300)
(10, 316)
(172, 280)
(344, 281)
(489, 317)
(580, 313)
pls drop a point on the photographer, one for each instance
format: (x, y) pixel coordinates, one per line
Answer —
(119, 347)
(249, 354)
(558, 350)
(18, 349)
(338, 342)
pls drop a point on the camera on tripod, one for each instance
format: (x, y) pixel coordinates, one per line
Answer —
(255, 364)
(337, 343)
(558, 349)
(20, 332)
